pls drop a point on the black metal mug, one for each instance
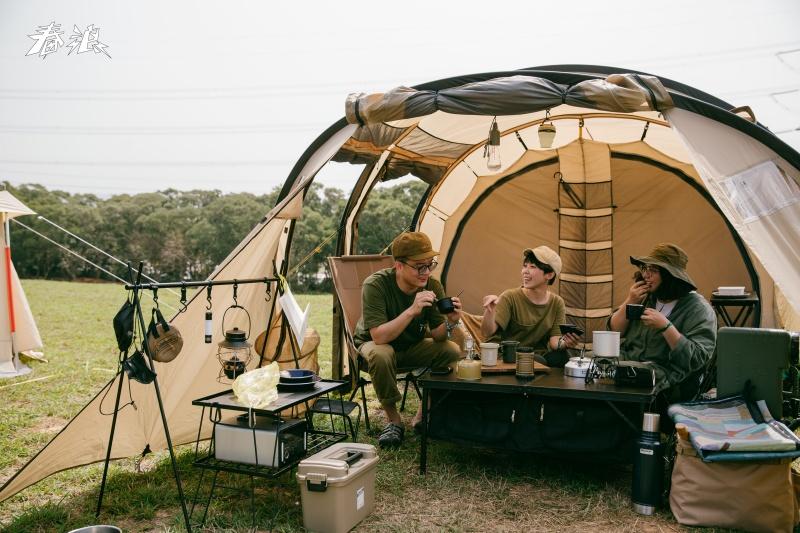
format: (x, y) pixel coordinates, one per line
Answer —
(634, 311)
(509, 349)
(445, 305)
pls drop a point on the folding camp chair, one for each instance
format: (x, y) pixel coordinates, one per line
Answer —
(349, 273)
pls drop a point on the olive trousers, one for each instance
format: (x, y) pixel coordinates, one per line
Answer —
(383, 363)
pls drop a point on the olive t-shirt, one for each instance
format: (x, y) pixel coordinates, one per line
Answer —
(383, 301)
(519, 319)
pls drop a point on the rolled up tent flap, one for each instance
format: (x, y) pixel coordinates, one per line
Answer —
(512, 95)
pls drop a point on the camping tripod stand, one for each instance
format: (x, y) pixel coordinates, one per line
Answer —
(149, 362)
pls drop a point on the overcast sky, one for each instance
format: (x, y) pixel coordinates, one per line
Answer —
(228, 95)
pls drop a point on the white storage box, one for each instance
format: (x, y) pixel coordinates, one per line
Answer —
(234, 441)
(730, 291)
(337, 487)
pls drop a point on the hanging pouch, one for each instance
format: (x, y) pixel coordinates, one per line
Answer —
(164, 341)
(136, 368)
(123, 325)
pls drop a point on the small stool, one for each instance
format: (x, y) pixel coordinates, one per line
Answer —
(343, 408)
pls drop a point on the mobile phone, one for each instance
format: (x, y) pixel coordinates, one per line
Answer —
(570, 328)
(441, 371)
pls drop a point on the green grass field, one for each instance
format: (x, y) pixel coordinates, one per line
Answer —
(465, 489)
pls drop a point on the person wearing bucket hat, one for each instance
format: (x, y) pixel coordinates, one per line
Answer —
(677, 330)
(530, 314)
(397, 312)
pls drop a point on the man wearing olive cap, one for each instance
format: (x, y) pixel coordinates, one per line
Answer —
(530, 314)
(677, 332)
(397, 311)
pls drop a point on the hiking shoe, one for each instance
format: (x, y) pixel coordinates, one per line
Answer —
(391, 436)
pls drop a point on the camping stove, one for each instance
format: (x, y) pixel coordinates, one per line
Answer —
(577, 367)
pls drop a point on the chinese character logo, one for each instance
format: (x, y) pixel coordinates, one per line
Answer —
(48, 39)
(87, 41)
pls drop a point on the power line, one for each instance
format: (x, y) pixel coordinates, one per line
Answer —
(259, 91)
(239, 163)
(167, 130)
(193, 90)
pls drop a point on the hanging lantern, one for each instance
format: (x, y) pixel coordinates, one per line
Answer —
(547, 131)
(234, 353)
(491, 150)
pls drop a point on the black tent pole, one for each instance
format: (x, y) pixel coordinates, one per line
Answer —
(121, 374)
(146, 349)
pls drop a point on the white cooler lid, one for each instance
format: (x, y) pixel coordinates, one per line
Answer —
(332, 462)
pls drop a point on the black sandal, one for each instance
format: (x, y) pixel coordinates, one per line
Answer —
(392, 435)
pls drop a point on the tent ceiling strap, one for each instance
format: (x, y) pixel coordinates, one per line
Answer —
(357, 113)
(644, 131)
(519, 138)
(653, 100)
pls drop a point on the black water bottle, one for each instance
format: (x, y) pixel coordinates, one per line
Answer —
(648, 467)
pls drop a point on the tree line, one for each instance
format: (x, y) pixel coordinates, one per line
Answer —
(185, 234)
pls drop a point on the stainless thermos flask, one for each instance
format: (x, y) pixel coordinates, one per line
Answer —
(648, 467)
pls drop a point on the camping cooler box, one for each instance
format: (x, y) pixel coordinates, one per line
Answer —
(337, 487)
(235, 441)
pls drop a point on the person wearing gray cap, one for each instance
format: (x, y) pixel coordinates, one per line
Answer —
(677, 330)
(531, 313)
(397, 312)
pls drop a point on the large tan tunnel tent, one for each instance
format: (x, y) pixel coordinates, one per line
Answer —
(636, 160)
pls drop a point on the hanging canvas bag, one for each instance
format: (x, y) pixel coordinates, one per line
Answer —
(164, 341)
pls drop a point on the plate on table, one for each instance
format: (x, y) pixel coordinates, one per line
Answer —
(715, 294)
(298, 387)
(297, 375)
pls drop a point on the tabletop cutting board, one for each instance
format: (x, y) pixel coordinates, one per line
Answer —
(511, 368)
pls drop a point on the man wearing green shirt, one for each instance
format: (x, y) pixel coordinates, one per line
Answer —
(397, 311)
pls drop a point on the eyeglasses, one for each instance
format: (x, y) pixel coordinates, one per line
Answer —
(422, 269)
(649, 269)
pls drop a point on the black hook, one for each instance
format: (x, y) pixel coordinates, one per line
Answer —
(183, 297)
(235, 290)
(268, 297)
(155, 296)
(208, 297)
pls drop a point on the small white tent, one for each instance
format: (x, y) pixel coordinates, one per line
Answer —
(18, 332)
(648, 160)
